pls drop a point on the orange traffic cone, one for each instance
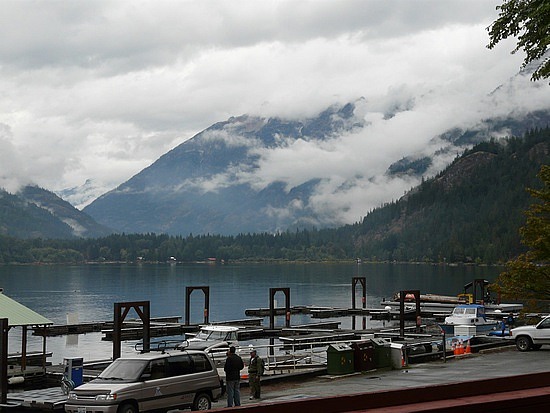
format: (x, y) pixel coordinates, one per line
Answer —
(460, 350)
(454, 347)
(468, 348)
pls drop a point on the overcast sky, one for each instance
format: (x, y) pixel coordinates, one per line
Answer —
(100, 89)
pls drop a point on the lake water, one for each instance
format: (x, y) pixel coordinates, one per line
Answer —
(89, 292)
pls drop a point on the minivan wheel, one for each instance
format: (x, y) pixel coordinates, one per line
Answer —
(523, 343)
(202, 402)
(127, 408)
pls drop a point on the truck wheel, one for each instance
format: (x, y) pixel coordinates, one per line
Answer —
(202, 402)
(523, 343)
(127, 408)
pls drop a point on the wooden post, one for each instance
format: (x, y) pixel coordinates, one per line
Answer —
(4, 326)
(143, 310)
(206, 311)
(402, 295)
(363, 282)
(272, 292)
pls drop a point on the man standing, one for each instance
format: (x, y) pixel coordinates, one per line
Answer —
(233, 366)
(255, 371)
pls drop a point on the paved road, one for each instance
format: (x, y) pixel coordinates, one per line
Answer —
(503, 362)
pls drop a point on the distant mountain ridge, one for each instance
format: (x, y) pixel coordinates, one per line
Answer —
(195, 188)
(168, 196)
(34, 212)
(470, 212)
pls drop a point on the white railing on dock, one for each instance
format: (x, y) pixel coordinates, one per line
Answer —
(290, 357)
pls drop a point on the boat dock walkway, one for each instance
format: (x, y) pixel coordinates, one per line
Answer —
(390, 310)
(95, 326)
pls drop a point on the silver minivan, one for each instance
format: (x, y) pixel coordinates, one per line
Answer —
(150, 381)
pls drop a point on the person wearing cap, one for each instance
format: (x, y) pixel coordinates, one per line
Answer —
(255, 371)
(233, 366)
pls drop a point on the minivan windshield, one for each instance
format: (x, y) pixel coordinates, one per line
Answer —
(123, 370)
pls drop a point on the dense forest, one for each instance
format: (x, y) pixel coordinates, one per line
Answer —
(470, 212)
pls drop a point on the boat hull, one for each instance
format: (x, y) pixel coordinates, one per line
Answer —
(480, 329)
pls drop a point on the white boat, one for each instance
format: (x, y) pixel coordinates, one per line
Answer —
(214, 339)
(471, 315)
(216, 333)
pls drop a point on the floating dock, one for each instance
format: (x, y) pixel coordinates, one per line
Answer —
(92, 327)
(50, 399)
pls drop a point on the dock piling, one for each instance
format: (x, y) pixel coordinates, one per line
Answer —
(272, 292)
(4, 326)
(363, 282)
(188, 290)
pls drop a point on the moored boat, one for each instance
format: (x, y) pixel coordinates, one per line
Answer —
(469, 315)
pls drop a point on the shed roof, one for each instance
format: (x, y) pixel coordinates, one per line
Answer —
(19, 315)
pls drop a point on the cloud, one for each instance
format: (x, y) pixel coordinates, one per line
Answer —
(99, 90)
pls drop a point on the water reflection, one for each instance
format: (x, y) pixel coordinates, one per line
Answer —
(90, 291)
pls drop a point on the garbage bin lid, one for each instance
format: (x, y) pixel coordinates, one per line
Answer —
(340, 347)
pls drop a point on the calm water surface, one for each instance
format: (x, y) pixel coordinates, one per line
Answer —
(89, 292)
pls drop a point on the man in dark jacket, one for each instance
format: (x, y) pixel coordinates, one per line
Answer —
(233, 366)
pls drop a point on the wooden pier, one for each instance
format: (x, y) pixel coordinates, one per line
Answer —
(335, 312)
(90, 327)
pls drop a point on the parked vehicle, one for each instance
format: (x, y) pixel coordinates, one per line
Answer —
(151, 381)
(532, 337)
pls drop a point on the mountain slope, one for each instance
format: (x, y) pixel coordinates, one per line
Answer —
(37, 213)
(471, 211)
(194, 188)
(212, 183)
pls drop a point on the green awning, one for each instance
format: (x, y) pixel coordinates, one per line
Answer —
(19, 315)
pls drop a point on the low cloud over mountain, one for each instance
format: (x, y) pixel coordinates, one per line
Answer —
(255, 174)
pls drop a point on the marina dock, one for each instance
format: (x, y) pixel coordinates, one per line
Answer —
(305, 347)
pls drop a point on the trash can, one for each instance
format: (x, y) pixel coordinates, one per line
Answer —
(339, 359)
(398, 355)
(382, 353)
(363, 355)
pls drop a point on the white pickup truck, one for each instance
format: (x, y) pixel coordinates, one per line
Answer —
(532, 337)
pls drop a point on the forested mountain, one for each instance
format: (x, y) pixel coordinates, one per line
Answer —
(34, 212)
(217, 182)
(470, 212)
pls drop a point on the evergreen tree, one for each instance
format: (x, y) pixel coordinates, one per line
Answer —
(528, 276)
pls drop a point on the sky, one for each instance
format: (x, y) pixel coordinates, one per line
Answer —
(98, 90)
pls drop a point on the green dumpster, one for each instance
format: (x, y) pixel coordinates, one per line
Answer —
(340, 359)
(363, 354)
(382, 353)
